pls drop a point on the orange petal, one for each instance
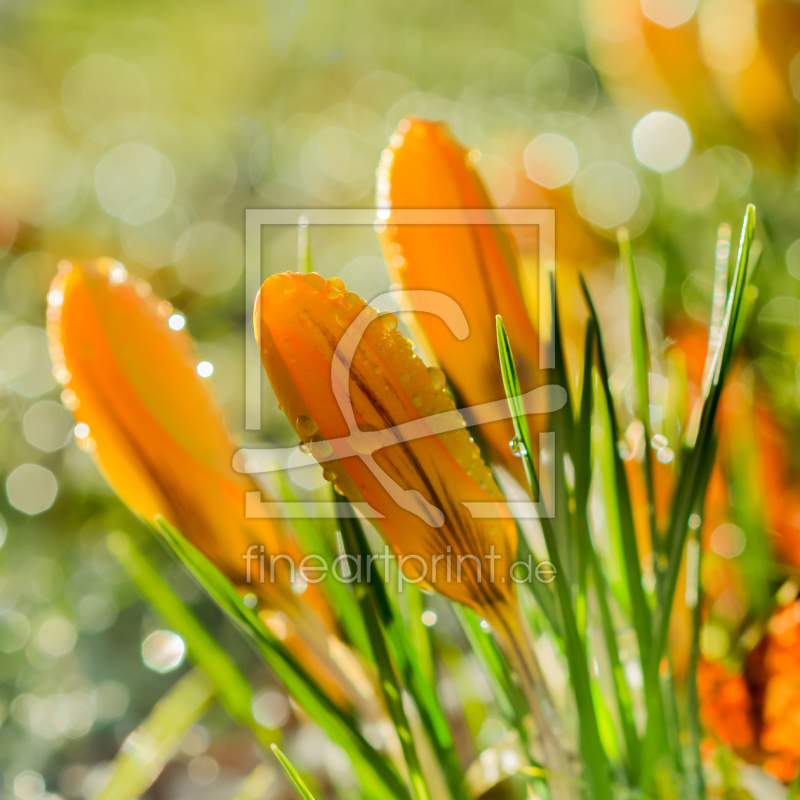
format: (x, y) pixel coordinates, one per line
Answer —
(300, 321)
(475, 265)
(153, 425)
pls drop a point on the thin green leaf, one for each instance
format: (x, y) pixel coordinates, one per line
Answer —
(541, 593)
(293, 774)
(641, 370)
(414, 678)
(147, 750)
(689, 485)
(621, 689)
(582, 462)
(583, 448)
(562, 424)
(508, 695)
(591, 747)
(640, 612)
(232, 687)
(379, 779)
(364, 589)
(419, 634)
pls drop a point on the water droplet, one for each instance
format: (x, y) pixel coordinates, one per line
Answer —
(518, 447)
(404, 377)
(437, 378)
(306, 426)
(329, 475)
(416, 400)
(353, 299)
(315, 281)
(281, 283)
(320, 447)
(337, 283)
(389, 322)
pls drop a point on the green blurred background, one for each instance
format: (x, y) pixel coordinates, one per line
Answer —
(142, 131)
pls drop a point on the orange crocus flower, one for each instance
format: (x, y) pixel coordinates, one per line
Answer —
(157, 434)
(308, 331)
(475, 265)
(152, 424)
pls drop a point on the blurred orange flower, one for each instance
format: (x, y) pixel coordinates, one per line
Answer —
(476, 265)
(156, 432)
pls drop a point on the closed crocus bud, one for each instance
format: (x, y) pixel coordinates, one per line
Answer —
(476, 265)
(154, 427)
(369, 410)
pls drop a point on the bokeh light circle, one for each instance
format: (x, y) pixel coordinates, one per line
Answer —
(662, 141)
(551, 160)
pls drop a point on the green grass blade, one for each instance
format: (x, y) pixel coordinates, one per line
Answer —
(621, 689)
(541, 593)
(233, 689)
(687, 493)
(355, 546)
(318, 537)
(378, 777)
(693, 601)
(418, 634)
(719, 297)
(640, 612)
(591, 746)
(416, 681)
(147, 750)
(562, 424)
(293, 774)
(508, 695)
(583, 463)
(641, 370)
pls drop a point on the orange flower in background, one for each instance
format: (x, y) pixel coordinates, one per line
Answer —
(727, 707)
(724, 68)
(156, 432)
(475, 265)
(757, 710)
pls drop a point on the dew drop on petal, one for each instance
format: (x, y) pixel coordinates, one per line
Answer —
(306, 426)
(315, 281)
(437, 378)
